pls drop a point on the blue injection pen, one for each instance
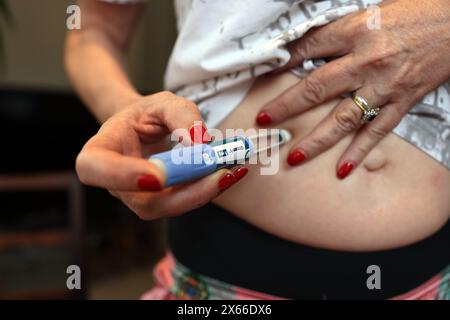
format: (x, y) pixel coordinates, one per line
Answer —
(186, 164)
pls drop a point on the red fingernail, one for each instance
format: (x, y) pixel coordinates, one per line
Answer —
(296, 157)
(149, 183)
(199, 134)
(239, 173)
(264, 119)
(344, 170)
(226, 181)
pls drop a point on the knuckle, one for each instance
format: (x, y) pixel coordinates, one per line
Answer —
(384, 93)
(152, 99)
(381, 60)
(310, 43)
(185, 104)
(387, 53)
(357, 26)
(353, 70)
(347, 119)
(314, 91)
(298, 51)
(166, 94)
(398, 111)
(303, 49)
(398, 83)
(360, 151)
(319, 142)
(191, 105)
(377, 132)
(282, 107)
(405, 79)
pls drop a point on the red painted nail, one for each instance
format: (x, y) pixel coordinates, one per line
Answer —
(344, 170)
(226, 181)
(199, 134)
(149, 183)
(239, 173)
(264, 119)
(296, 157)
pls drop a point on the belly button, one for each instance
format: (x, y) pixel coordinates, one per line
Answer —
(375, 160)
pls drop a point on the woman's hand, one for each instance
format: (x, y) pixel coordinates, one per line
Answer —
(392, 67)
(115, 158)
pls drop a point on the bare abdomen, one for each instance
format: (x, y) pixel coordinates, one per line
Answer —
(397, 196)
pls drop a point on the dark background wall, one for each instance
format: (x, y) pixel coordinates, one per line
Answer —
(43, 126)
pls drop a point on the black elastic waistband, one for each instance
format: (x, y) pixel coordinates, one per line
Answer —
(212, 242)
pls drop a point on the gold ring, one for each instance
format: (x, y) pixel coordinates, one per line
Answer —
(369, 113)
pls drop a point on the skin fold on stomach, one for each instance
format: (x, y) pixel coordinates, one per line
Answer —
(396, 197)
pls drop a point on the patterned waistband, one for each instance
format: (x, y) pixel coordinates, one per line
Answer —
(175, 281)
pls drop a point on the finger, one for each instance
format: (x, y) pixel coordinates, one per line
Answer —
(368, 137)
(325, 83)
(150, 134)
(322, 42)
(202, 191)
(97, 166)
(345, 118)
(181, 199)
(181, 116)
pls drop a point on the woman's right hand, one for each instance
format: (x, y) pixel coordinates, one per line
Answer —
(116, 158)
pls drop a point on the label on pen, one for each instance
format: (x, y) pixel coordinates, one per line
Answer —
(230, 152)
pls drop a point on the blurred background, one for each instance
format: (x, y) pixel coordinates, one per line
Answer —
(49, 221)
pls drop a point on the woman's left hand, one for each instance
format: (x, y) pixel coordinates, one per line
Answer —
(392, 67)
